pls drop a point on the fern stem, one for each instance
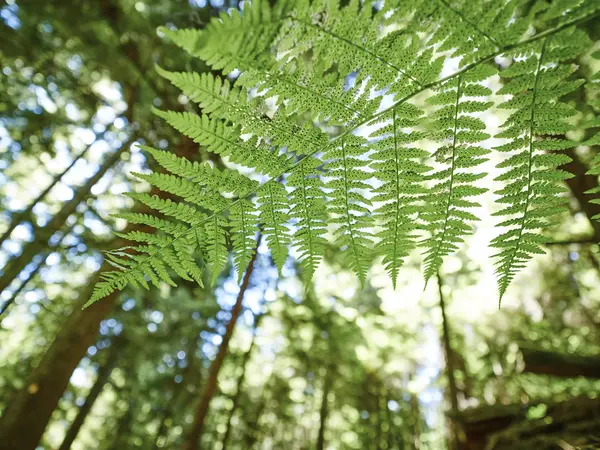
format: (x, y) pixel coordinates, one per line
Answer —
(244, 231)
(216, 244)
(273, 216)
(397, 221)
(348, 217)
(529, 170)
(451, 182)
(307, 218)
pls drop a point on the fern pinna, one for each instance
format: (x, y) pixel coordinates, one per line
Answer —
(299, 106)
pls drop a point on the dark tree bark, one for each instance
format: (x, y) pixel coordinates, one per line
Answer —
(103, 375)
(546, 362)
(191, 441)
(17, 264)
(240, 382)
(20, 429)
(449, 358)
(324, 410)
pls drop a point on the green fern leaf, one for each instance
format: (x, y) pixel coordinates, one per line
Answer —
(309, 214)
(348, 208)
(446, 212)
(220, 99)
(273, 206)
(243, 222)
(399, 168)
(532, 195)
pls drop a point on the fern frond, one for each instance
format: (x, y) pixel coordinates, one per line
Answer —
(273, 206)
(473, 30)
(351, 38)
(215, 249)
(595, 170)
(243, 222)
(219, 98)
(225, 140)
(593, 94)
(349, 208)
(399, 168)
(447, 203)
(227, 46)
(532, 193)
(308, 213)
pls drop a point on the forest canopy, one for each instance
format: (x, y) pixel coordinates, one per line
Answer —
(288, 224)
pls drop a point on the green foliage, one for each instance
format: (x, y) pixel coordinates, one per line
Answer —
(593, 93)
(537, 80)
(304, 112)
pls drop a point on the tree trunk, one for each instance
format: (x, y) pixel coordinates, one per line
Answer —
(547, 362)
(191, 441)
(103, 375)
(17, 264)
(20, 428)
(19, 216)
(240, 382)
(449, 358)
(324, 412)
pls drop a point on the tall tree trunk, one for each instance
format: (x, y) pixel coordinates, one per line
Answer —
(191, 441)
(449, 359)
(20, 428)
(240, 383)
(19, 216)
(103, 375)
(324, 411)
(17, 264)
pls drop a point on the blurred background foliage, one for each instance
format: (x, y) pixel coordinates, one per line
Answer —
(268, 363)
